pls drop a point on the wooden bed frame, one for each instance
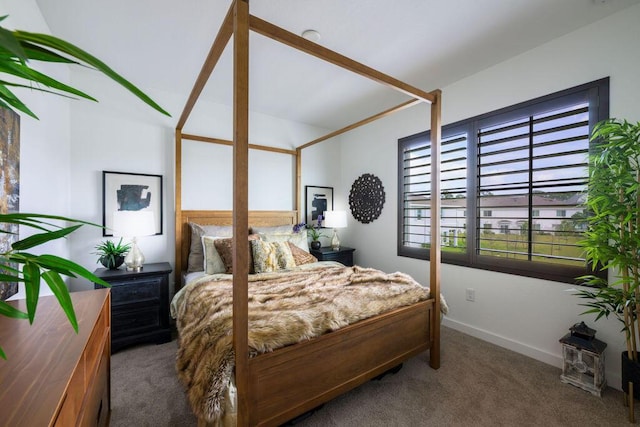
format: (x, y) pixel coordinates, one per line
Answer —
(275, 387)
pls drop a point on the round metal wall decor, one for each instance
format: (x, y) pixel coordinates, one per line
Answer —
(366, 198)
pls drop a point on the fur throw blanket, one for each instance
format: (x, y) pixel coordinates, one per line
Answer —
(284, 308)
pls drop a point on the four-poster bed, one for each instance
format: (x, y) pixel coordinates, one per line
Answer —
(277, 386)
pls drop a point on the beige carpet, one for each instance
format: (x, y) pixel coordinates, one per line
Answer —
(478, 384)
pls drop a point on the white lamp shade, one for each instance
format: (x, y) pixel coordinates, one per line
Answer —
(335, 219)
(133, 223)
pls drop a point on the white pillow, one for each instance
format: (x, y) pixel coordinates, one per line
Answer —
(298, 239)
(213, 263)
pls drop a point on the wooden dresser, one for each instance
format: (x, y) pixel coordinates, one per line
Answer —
(54, 377)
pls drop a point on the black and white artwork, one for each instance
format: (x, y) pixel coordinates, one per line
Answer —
(318, 200)
(122, 191)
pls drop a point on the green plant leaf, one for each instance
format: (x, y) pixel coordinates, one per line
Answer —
(40, 238)
(32, 288)
(59, 289)
(8, 100)
(25, 72)
(11, 311)
(38, 53)
(4, 356)
(52, 260)
(10, 43)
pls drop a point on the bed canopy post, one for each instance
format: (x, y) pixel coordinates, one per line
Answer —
(434, 255)
(298, 185)
(241, 205)
(178, 205)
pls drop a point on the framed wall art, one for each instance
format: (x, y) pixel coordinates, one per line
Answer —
(122, 191)
(318, 200)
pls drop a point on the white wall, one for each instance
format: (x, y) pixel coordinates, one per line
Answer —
(44, 143)
(524, 314)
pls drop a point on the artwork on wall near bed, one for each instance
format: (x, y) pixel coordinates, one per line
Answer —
(122, 191)
(366, 198)
(318, 200)
(10, 188)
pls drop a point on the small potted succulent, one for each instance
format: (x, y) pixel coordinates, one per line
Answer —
(112, 254)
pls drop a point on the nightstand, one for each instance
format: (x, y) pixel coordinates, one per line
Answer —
(343, 255)
(139, 304)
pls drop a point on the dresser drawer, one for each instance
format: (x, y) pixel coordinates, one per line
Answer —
(131, 291)
(125, 322)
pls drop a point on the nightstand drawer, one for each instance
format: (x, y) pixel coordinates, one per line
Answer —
(144, 289)
(132, 321)
(343, 255)
(344, 258)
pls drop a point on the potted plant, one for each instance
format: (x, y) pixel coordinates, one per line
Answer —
(112, 254)
(612, 240)
(312, 231)
(18, 49)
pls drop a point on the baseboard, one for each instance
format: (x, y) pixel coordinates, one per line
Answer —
(613, 379)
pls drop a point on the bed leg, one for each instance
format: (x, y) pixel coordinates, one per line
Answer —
(434, 355)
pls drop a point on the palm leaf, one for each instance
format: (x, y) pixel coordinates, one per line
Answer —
(8, 100)
(40, 238)
(10, 311)
(32, 288)
(59, 289)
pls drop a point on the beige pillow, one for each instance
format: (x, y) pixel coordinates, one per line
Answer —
(225, 249)
(213, 263)
(298, 239)
(196, 253)
(271, 256)
(301, 257)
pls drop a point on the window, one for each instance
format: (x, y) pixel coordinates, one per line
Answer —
(499, 171)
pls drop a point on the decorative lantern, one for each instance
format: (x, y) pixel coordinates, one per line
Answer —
(583, 359)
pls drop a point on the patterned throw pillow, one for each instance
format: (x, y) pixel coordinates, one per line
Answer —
(298, 239)
(271, 256)
(300, 256)
(225, 249)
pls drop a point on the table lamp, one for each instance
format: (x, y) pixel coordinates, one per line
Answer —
(134, 224)
(335, 219)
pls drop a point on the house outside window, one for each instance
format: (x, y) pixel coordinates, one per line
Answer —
(501, 170)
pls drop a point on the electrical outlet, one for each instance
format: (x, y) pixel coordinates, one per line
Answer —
(471, 294)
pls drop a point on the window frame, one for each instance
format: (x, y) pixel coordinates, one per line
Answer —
(596, 93)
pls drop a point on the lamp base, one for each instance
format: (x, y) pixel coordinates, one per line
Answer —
(134, 258)
(335, 242)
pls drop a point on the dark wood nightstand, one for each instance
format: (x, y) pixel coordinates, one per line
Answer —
(139, 304)
(343, 255)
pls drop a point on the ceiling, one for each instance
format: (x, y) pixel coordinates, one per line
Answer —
(161, 44)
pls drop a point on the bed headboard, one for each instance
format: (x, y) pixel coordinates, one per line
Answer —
(183, 233)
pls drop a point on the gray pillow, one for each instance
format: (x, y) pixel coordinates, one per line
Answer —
(196, 254)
